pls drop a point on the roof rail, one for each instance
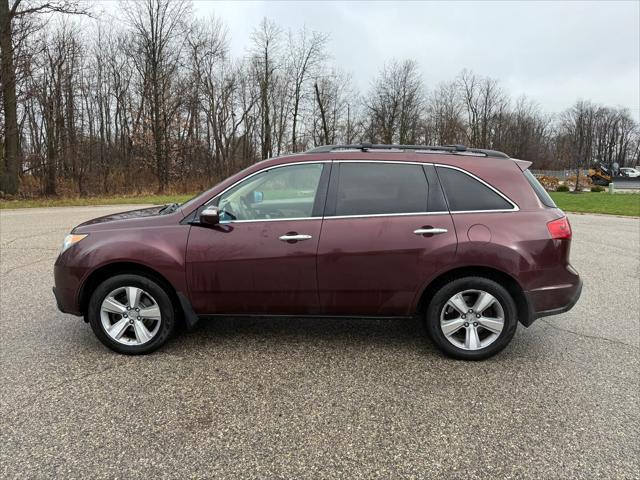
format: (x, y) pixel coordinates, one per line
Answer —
(374, 146)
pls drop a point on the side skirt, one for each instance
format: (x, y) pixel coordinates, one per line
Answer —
(266, 315)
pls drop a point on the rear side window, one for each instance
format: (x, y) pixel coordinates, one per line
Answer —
(381, 188)
(465, 193)
(542, 194)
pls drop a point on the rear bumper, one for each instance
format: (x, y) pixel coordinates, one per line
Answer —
(571, 293)
(553, 300)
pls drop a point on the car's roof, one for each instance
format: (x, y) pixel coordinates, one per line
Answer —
(447, 154)
(369, 147)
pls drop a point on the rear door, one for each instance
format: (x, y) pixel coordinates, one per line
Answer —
(386, 231)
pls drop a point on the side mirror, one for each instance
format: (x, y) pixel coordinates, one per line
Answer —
(210, 216)
(258, 197)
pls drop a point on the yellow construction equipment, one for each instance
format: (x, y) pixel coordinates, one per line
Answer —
(600, 175)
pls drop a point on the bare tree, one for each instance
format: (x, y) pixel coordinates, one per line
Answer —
(445, 125)
(483, 100)
(266, 62)
(614, 136)
(395, 103)
(157, 25)
(577, 128)
(9, 179)
(336, 112)
(100, 107)
(306, 53)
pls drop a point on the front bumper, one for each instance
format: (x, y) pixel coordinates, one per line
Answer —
(58, 303)
(67, 283)
(65, 302)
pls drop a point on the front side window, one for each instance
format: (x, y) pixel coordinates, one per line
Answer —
(381, 188)
(465, 193)
(281, 192)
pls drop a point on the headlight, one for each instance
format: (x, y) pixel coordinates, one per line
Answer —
(70, 240)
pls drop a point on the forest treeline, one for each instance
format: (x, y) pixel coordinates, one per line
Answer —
(154, 101)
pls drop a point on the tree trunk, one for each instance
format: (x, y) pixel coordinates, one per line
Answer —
(294, 122)
(322, 115)
(52, 151)
(9, 178)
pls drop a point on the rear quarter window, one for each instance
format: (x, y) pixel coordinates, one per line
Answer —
(464, 193)
(542, 194)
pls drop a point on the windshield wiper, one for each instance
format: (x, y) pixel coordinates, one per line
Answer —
(169, 208)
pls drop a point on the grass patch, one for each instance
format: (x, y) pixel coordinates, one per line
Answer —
(81, 201)
(590, 202)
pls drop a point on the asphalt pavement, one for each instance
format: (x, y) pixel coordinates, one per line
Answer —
(265, 398)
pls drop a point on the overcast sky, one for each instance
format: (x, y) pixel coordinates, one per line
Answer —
(553, 52)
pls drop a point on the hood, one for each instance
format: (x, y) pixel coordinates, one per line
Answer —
(149, 215)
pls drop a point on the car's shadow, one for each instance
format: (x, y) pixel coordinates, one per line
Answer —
(406, 333)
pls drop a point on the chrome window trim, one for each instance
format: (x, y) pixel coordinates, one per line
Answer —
(373, 215)
(292, 219)
(515, 206)
(502, 210)
(292, 164)
(382, 161)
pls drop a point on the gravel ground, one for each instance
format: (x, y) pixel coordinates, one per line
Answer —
(319, 398)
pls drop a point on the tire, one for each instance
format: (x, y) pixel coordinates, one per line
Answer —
(107, 311)
(494, 325)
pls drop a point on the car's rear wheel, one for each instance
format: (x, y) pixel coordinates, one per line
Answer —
(472, 318)
(131, 314)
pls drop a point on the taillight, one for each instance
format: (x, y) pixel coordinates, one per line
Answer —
(560, 228)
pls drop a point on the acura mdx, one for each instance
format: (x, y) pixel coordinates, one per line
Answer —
(465, 238)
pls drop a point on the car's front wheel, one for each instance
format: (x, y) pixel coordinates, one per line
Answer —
(131, 314)
(471, 318)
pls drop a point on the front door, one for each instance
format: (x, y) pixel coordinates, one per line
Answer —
(386, 231)
(262, 256)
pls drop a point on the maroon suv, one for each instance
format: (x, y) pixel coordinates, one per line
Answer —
(465, 238)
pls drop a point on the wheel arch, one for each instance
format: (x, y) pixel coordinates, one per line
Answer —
(118, 268)
(525, 313)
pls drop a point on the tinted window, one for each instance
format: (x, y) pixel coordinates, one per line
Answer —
(378, 188)
(466, 193)
(539, 189)
(437, 202)
(283, 192)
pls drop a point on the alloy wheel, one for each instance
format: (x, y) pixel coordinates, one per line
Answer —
(472, 319)
(130, 315)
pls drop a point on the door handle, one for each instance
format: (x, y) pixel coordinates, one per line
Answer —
(294, 237)
(430, 230)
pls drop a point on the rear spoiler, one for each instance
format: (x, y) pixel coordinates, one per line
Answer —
(523, 164)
